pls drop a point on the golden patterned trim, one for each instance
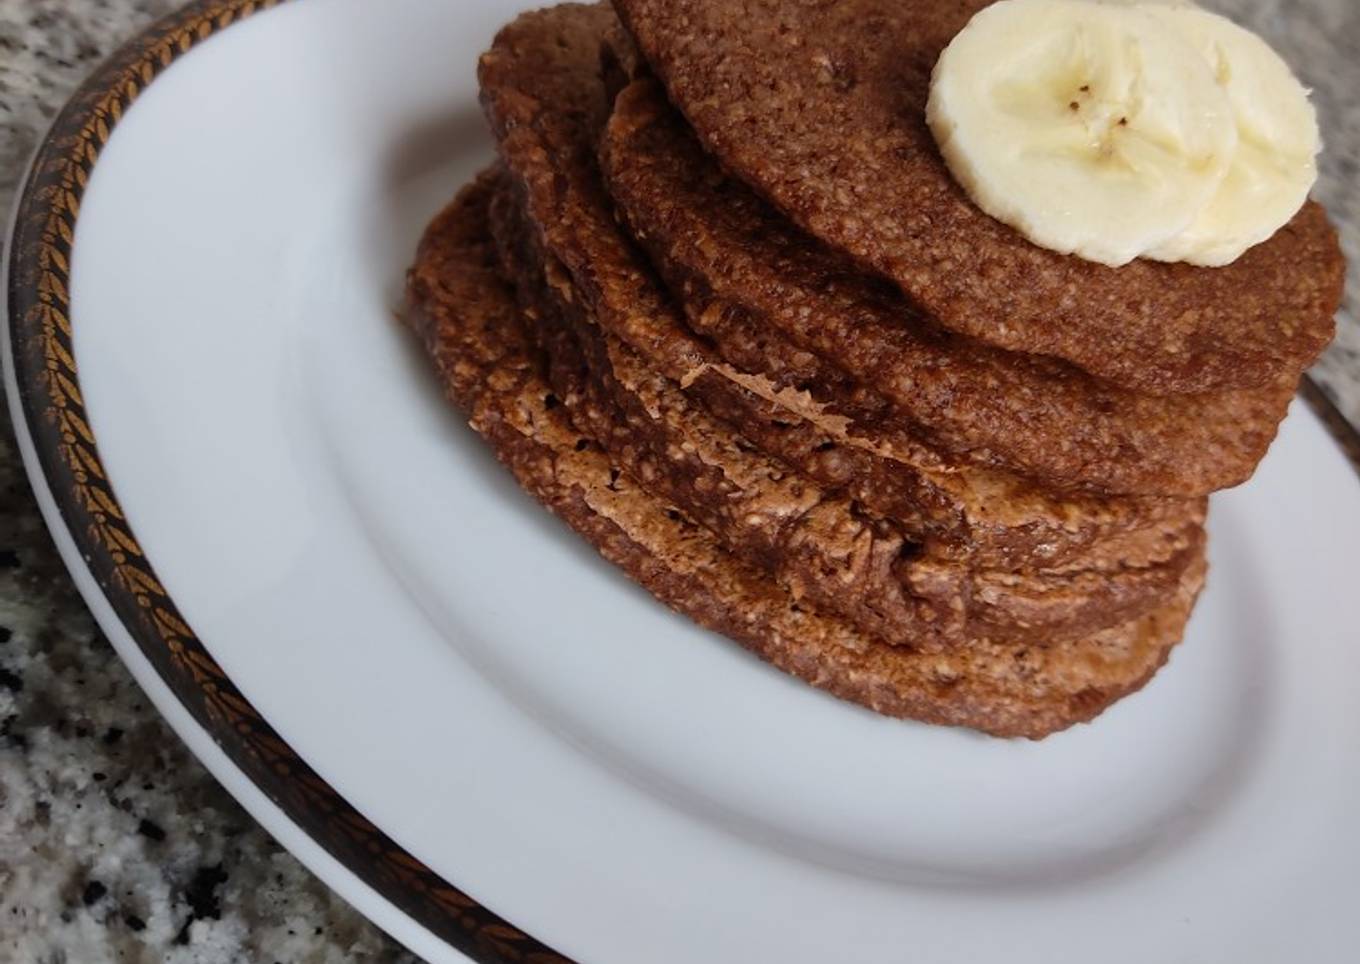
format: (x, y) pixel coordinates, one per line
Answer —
(49, 388)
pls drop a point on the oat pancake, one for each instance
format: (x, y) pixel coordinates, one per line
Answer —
(818, 545)
(543, 95)
(741, 268)
(542, 87)
(467, 319)
(820, 107)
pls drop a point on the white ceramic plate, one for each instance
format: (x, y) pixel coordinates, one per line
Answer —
(348, 609)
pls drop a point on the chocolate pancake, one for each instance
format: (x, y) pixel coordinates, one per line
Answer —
(821, 108)
(743, 269)
(466, 317)
(819, 546)
(542, 90)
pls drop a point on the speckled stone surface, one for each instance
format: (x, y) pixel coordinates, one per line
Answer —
(115, 845)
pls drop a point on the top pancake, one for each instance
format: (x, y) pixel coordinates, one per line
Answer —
(734, 259)
(820, 106)
(545, 96)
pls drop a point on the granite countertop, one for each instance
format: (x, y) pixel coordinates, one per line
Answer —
(115, 844)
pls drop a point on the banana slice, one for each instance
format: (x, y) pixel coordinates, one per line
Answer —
(1277, 142)
(1090, 128)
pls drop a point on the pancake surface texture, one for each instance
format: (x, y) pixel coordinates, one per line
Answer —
(820, 107)
(731, 254)
(543, 92)
(467, 318)
(818, 545)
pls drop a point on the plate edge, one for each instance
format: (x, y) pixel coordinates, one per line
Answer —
(63, 463)
(1346, 435)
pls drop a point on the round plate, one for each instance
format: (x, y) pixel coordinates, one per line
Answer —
(481, 734)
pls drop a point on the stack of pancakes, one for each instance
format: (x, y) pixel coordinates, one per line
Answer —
(933, 470)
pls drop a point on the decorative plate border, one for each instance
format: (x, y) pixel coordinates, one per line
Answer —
(52, 406)
(1346, 435)
(54, 409)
